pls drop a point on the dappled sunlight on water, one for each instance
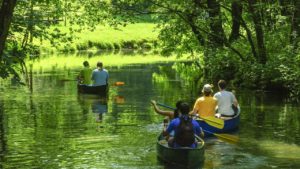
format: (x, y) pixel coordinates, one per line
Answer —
(54, 127)
(280, 149)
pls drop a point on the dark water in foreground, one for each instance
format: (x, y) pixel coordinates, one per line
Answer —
(56, 128)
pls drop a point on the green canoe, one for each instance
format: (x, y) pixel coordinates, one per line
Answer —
(187, 157)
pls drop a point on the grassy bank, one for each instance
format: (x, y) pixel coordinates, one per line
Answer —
(66, 62)
(138, 36)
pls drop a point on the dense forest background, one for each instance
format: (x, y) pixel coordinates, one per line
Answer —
(253, 44)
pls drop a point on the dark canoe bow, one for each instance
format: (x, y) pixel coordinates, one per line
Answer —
(88, 89)
(187, 157)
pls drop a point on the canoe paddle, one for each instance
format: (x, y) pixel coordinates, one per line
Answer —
(216, 122)
(213, 121)
(225, 137)
(114, 84)
(118, 83)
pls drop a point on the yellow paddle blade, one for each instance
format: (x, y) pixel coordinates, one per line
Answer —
(119, 83)
(213, 121)
(227, 138)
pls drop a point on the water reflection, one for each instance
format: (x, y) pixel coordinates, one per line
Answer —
(97, 104)
(99, 107)
(119, 99)
(54, 127)
(2, 132)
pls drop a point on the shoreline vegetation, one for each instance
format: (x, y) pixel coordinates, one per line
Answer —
(136, 36)
(131, 44)
(72, 61)
(233, 41)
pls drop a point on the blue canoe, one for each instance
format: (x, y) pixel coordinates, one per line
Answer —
(230, 125)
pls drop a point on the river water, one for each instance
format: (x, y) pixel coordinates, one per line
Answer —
(55, 127)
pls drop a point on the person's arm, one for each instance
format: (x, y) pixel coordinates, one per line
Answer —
(107, 78)
(234, 101)
(93, 76)
(162, 112)
(169, 129)
(165, 133)
(80, 76)
(195, 109)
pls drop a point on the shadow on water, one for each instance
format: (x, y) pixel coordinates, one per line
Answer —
(178, 166)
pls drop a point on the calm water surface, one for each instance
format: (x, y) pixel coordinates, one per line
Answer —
(54, 127)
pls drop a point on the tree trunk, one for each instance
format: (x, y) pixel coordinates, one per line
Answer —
(195, 30)
(295, 26)
(236, 15)
(191, 22)
(28, 36)
(217, 36)
(285, 7)
(6, 13)
(262, 54)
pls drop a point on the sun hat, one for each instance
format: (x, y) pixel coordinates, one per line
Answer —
(207, 88)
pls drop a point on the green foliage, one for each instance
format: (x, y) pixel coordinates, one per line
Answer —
(36, 22)
(189, 72)
(12, 60)
(133, 36)
(261, 57)
(74, 61)
(288, 68)
(32, 21)
(221, 64)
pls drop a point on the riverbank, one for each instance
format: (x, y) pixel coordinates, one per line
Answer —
(137, 36)
(74, 61)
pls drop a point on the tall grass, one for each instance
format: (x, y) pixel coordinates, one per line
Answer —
(132, 36)
(132, 32)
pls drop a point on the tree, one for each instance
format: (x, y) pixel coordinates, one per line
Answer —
(236, 15)
(23, 22)
(217, 36)
(6, 14)
(295, 26)
(257, 20)
(244, 40)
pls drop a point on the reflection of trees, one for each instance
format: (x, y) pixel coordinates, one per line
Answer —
(169, 85)
(268, 126)
(42, 123)
(50, 122)
(266, 116)
(143, 83)
(2, 132)
(138, 90)
(84, 104)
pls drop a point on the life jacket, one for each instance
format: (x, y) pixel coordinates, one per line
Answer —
(184, 133)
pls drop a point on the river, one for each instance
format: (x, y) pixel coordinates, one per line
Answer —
(55, 127)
